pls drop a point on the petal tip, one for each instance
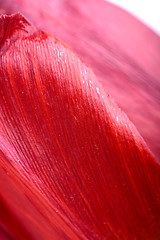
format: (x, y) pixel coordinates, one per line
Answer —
(11, 26)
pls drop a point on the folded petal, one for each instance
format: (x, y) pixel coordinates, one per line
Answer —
(69, 155)
(123, 52)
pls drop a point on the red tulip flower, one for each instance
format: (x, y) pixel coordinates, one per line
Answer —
(72, 165)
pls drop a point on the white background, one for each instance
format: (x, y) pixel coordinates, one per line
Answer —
(148, 11)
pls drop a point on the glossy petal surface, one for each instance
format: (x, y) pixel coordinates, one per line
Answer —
(123, 52)
(69, 156)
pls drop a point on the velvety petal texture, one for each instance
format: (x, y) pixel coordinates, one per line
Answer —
(123, 52)
(72, 165)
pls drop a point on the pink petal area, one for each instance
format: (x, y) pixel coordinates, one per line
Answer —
(74, 160)
(123, 52)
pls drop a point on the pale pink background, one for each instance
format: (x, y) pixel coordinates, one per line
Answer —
(148, 11)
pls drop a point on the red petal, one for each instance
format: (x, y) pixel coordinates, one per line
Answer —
(123, 52)
(66, 139)
(25, 212)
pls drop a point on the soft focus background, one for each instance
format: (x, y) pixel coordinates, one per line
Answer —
(145, 10)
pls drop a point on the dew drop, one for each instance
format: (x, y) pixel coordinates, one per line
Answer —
(98, 90)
